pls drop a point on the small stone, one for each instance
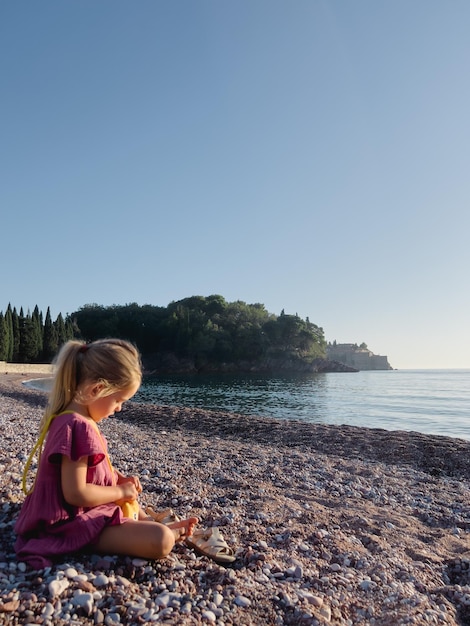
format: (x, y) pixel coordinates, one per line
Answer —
(242, 601)
(84, 601)
(365, 585)
(12, 605)
(70, 572)
(85, 585)
(325, 612)
(101, 580)
(163, 600)
(186, 608)
(209, 616)
(56, 587)
(316, 601)
(148, 616)
(217, 598)
(48, 610)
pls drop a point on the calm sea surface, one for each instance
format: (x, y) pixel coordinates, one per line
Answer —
(428, 401)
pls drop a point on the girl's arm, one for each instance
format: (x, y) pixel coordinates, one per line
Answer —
(78, 492)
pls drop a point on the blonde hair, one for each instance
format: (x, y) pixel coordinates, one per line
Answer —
(114, 363)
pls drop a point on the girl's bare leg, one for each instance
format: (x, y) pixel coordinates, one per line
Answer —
(145, 539)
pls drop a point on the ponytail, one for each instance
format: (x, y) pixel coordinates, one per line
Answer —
(64, 387)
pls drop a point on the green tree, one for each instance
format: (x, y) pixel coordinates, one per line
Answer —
(4, 338)
(62, 336)
(29, 340)
(97, 322)
(37, 320)
(16, 335)
(9, 327)
(50, 339)
(205, 330)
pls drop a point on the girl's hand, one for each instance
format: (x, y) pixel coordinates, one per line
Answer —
(129, 492)
(135, 480)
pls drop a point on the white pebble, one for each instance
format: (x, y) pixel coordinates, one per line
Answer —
(163, 600)
(80, 578)
(70, 572)
(209, 616)
(217, 598)
(365, 585)
(48, 610)
(242, 601)
(56, 587)
(101, 580)
(325, 612)
(84, 601)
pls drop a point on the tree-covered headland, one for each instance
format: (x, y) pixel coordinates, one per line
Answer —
(194, 334)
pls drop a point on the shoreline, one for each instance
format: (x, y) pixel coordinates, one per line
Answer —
(331, 524)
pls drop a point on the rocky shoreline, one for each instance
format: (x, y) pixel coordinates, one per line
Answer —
(169, 363)
(331, 524)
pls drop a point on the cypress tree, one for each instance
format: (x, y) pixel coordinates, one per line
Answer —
(37, 320)
(61, 330)
(9, 325)
(16, 335)
(50, 342)
(69, 329)
(29, 344)
(3, 338)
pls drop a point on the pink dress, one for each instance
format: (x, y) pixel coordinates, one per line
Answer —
(47, 525)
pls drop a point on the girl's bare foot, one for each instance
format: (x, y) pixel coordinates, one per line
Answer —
(184, 528)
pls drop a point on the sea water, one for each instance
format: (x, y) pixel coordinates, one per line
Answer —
(428, 401)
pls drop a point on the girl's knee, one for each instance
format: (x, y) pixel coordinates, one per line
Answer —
(164, 541)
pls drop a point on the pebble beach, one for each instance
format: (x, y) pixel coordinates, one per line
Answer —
(330, 524)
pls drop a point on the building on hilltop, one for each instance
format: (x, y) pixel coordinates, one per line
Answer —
(361, 358)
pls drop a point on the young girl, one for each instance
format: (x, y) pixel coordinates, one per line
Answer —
(76, 496)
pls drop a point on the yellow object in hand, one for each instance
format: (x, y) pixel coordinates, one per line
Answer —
(130, 509)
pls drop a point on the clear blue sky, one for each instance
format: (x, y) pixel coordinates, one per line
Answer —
(310, 155)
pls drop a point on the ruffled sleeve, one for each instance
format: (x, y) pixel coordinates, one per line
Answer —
(74, 436)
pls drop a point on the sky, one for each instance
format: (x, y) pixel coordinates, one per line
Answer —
(312, 156)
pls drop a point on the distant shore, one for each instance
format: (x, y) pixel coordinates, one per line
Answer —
(25, 368)
(330, 524)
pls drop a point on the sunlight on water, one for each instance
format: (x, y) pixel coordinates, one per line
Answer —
(427, 401)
